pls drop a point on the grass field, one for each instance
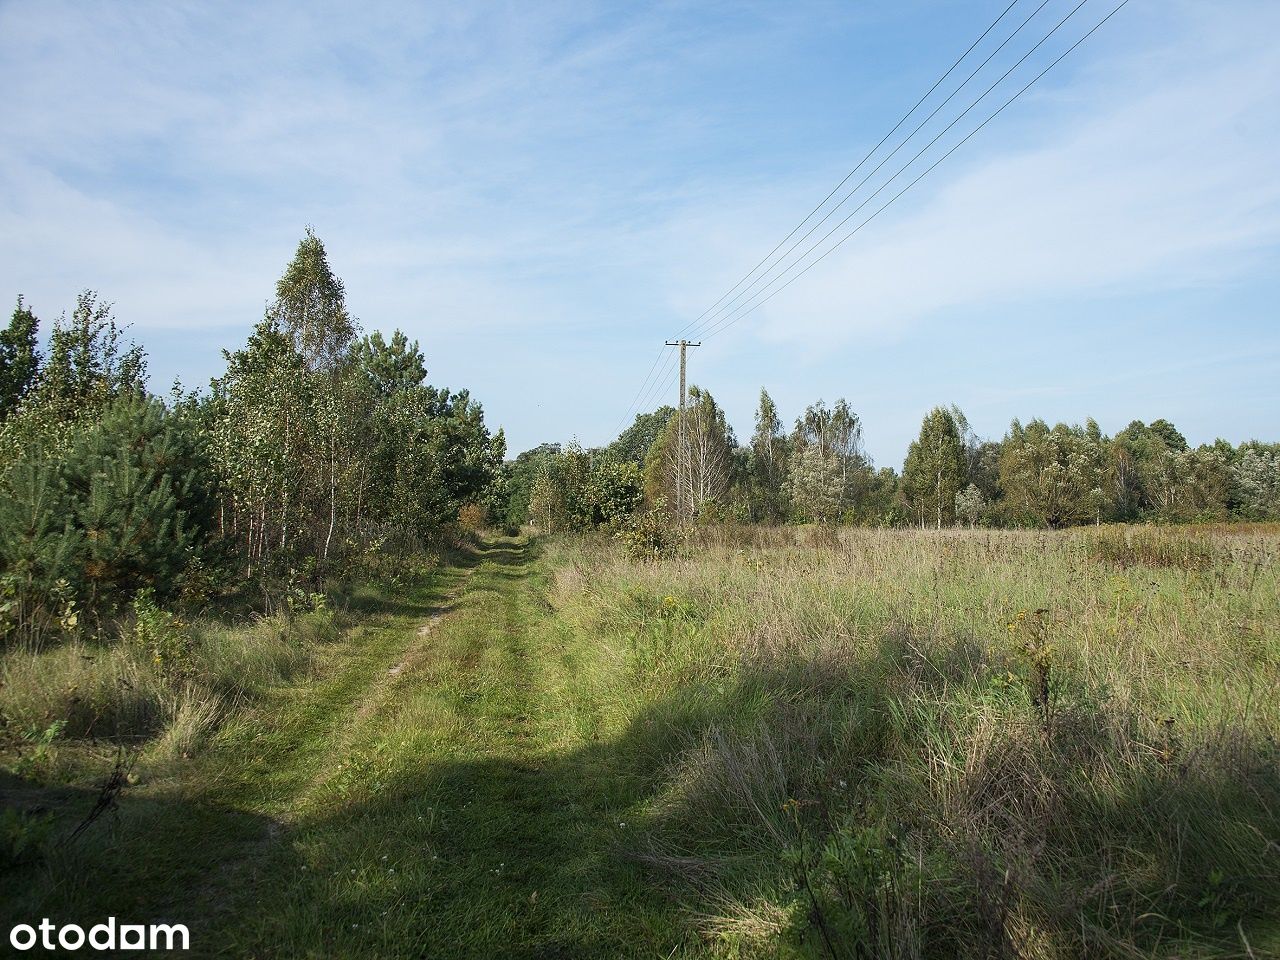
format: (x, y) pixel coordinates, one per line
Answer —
(781, 742)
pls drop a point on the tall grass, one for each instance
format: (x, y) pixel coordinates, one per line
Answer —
(920, 744)
(162, 695)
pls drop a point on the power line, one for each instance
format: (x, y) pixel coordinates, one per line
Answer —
(730, 321)
(920, 126)
(669, 381)
(636, 399)
(637, 403)
(657, 389)
(724, 321)
(850, 174)
(660, 383)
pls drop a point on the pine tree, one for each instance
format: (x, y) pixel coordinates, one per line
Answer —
(135, 491)
(38, 547)
(19, 358)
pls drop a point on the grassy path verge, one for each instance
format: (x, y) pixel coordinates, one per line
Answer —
(413, 797)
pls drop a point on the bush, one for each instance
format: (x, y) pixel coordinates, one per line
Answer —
(117, 510)
(161, 636)
(473, 516)
(649, 536)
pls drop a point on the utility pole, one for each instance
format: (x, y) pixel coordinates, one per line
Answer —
(683, 456)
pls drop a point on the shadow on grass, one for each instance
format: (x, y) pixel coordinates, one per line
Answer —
(591, 853)
(150, 858)
(611, 849)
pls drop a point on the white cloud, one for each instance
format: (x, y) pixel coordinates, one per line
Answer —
(1158, 173)
(496, 178)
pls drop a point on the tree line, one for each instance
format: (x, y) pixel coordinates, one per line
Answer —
(315, 447)
(818, 471)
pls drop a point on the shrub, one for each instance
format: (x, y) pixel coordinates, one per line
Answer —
(162, 637)
(473, 516)
(649, 536)
(118, 509)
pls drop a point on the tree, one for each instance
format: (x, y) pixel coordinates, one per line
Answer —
(984, 469)
(559, 499)
(830, 442)
(768, 464)
(1054, 477)
(936, 467)
(19, 358)
(521, 477)
(971, 505)
(633, 443)
(547, 507)
(1256, 480)
(389, 367)
(126, 505)
(614, 490)
(263, 436)
(89, 362)
(311, 307)
(88, 366)
(39, 545)
(1155, 473)
(690, 468)
(836, 431)
(137, 490)
(816, 484)
(1168, 434)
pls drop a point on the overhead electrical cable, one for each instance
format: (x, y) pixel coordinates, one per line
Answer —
(903, 119)
(923, 150)
(636, 400)
(665, 374)
(649, 381)
(727, 307)
(721, 327)
(723, 315)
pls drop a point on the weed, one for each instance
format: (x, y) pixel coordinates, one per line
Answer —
(36, 749)
(1150, 546)
(163, 637)
(1037, 652)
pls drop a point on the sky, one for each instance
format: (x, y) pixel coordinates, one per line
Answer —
(541, 194)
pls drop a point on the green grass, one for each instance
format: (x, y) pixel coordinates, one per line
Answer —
(410, 796)
(956, 744)
(869, 745)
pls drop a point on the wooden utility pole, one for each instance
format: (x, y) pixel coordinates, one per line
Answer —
(682, 457)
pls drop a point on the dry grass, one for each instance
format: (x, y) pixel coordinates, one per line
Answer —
(950, 743)
(78, 694)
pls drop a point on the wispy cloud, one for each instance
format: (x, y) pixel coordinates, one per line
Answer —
(1154, 173)
(510, 182)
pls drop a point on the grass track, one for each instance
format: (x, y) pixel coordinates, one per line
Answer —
(478, 766)
(413, 797)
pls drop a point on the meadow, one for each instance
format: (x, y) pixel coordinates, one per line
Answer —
(898, 744)
(774, 741)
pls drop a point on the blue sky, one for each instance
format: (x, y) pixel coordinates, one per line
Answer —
(543, 193)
